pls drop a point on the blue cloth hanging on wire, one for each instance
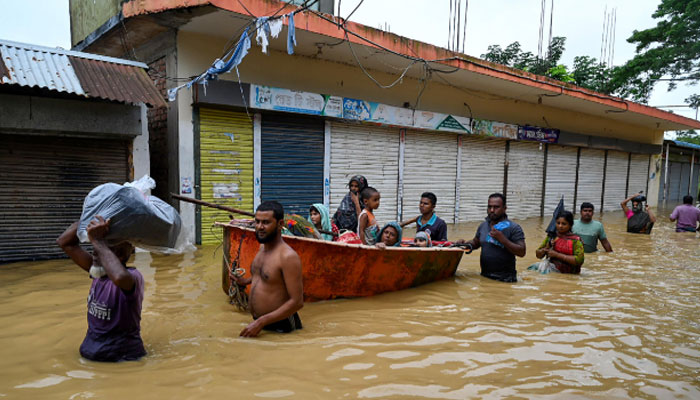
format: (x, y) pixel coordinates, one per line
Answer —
(291, 35)
(241, 50)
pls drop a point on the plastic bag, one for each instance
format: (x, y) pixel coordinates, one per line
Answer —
(544, 267)
(145, 221)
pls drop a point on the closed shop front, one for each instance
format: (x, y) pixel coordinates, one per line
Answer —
(639, 173)
(525, 169)
(44, 182)
(674, 187)
(615, 180)
(292, 161)
(590, 178)
(561, 177)
(482, 174)
(370, 151)
(430, 165)
(225, 168)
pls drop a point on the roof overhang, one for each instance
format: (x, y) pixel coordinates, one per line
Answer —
(387, 52)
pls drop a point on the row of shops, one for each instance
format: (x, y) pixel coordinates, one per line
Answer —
(293, 121)
(243, 158)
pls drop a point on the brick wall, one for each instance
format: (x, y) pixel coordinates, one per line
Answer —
(158, 131)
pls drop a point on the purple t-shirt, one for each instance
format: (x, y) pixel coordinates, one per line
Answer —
(114, 321)
(686, 217)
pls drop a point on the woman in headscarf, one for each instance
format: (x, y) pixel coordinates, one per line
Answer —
(320, 218)
(390, 235)
(351, 206)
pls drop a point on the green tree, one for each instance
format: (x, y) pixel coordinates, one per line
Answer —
(670, 49)
(690, 136)
(587, 72)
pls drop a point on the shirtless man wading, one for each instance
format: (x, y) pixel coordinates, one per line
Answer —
(276, 293)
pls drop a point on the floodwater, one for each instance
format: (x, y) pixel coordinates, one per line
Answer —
(627, 327)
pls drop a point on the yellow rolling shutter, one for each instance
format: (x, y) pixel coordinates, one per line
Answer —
(226, 167)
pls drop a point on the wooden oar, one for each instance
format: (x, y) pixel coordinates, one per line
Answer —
(212, 205)
(229, 209)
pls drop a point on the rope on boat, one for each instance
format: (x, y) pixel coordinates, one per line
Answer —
(236, 293)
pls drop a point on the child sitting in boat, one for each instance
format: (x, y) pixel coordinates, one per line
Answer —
(565, 251)
(367, 227)
(422, 239)
(320, 218)
(390, 235)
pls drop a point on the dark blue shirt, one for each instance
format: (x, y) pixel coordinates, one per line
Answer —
(496, 261)
(435, 227)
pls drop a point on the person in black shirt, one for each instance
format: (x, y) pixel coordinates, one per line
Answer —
(500, 240)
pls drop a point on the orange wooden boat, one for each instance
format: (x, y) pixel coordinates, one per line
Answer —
(338, 270)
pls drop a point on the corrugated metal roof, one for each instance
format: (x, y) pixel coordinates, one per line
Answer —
(686, 145)
(77, 73)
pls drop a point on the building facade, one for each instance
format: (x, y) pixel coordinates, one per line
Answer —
(69, 121)
(351, 100)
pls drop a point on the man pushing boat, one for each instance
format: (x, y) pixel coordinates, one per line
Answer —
(277, 292)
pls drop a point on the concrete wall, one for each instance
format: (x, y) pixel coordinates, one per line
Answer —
(88, 15)
(140, 153)
(35, 114)
(655, 183)
(198, 51)
(195, 52)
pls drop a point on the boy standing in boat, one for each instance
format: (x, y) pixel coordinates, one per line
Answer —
(277, 292)
(428, 221)
(116, 295)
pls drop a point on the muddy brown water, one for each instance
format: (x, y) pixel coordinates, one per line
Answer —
(627, 327)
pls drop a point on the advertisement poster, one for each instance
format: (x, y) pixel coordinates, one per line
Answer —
(270, 98)
(535, 134)
(496, 129)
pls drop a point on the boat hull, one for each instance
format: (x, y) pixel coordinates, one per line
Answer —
(337, 270)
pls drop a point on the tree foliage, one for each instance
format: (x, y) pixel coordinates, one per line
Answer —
(587, 71)
(690, 136)
(670, 49)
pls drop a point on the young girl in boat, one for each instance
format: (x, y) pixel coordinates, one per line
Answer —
(320, 218)
(367, 227)
(346, 217)
(390, 235)
(422, 239)
(565, 251)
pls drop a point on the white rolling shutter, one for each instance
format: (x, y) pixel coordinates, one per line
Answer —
(525, 163)
(590, 178)
(430, 165)
(639, 171)
(615, 180)
(370, 151)
(561, 177)
(482, 174)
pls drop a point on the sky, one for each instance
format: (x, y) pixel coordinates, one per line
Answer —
(47, 23)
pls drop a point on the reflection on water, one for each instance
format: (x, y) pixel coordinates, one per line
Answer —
(626, 327)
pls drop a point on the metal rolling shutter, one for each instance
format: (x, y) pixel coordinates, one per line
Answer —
(525, 163)
(226, 167)
(590, 178)
(482, 174)
(615, 180)
(639, 172)
(44, 182)
(674, 183)
(292, 161)
(370, 151)
(685, 181)
(561, 177)
(430, 165)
